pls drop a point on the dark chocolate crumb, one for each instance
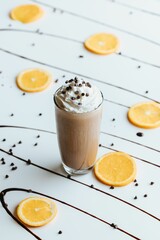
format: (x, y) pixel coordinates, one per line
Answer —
(38, 136)
(136, 184)
(28, 162)
(80, 85)
(20, 142)
(81, 56)
(92, 186)
(139, 134)
(135, 180)
(83, 82)
(35, 144)
(7, 176)
(145, 195)
(63, 92)
(87, 94)
(112, 144)
(66, 82)
(12, 164)
(82, 94)
(146, 91)
(2, 159)
(119, 53)
(56, 80)
(72, 98)
(14, 145)
(113, 119)
(135, 197)
(3, 140)
(14, 168)
(79, 103)
(67, 88)
(69, 176)
(3, 162)
(139, 66)
(12, 115)
(23, 93)
(78, 97)
(40, 114)
(111, 187)
(71, 80)
(151, 183)
(100, 145)
(60, 232)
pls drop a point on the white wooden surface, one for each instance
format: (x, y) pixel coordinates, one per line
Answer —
(136, 23)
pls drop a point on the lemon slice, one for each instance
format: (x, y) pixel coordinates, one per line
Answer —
(145, 115)
(34, 80)
(26, 13)
(102, 43)
(115, 169)
(36, 211)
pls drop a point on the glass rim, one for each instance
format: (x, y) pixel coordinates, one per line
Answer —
(76, 112)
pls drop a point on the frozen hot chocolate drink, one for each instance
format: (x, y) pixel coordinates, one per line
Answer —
(78, 108)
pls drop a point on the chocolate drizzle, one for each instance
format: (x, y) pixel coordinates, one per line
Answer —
(5, 206)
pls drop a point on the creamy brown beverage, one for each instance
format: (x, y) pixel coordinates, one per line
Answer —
(78, 108)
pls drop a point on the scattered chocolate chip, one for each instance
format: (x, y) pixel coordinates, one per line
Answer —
(114, 225)
(112, 144)
(7, 176)
(145, 195)
(136, 184)
(80, 85)
(72, 98)
(81, 56)
(135, 180)
(92, 186)
(87, 94)
(69, 176)
(76, 92)
(66, 82)
(71, 80)
(111, 187)
(56, 80)
(40, 114)
(113, 119)
(67, 88)
(14, 168)
(135, 197)
(63, 92)
(146, 91)
(12, 115)
(88, 85)
(2, 159)
(76, 80)
(23, 93)
(20, 142)
(139, 66)
(12, 164)
(139, 134)
(3, 163)
(82, 94)
(83, 82)
(79, 103)
(60, 232)
(78, 97)
(151, 183)
(14, 145)
(28, 162)
(119, 53)
(38, 136)
(100, 145)
(35, 144)
(3, 140)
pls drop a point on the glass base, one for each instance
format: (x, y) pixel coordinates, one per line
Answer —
(72, 171)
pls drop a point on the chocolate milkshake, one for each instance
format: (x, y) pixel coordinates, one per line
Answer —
(78, 108)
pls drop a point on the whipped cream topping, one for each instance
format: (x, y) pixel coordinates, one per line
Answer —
(78, 96)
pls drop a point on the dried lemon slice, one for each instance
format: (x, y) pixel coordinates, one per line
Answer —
(115, 169)
(27, 13)
(102, 43)
(145, 115)
(34, 80)
(36, 211)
